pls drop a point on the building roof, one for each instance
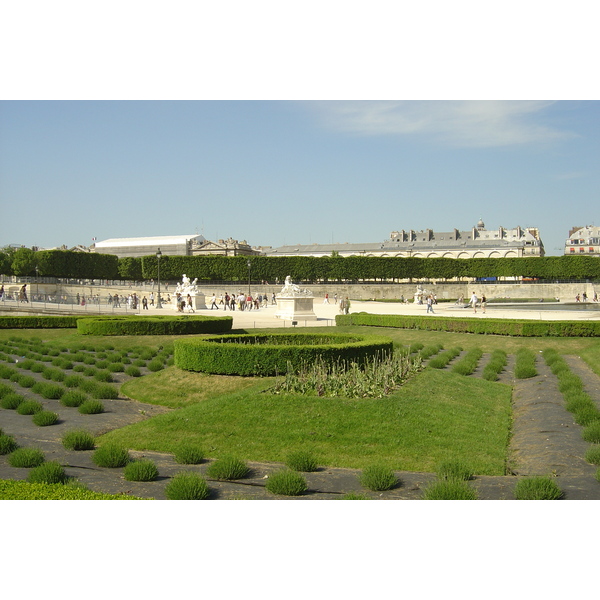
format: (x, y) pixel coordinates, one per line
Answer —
(149, 241)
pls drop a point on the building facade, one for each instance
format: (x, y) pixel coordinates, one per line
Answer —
(583, 240)
(478, 242)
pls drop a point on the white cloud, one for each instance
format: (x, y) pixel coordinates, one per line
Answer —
(456, 123)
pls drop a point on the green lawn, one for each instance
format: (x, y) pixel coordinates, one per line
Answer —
(435, 416)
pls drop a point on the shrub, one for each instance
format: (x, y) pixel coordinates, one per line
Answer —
(29, 407)
(141, 470)
(187, 486)
(26, 381)
(286, 483)
(78, 439)
(454, 470)
(104, 376)
(45, 418)
(587, 415)
(104, 391)
(5, 389)
(155, 365)
(73, 381)
(301, 460)
(47, 472)
(26, 458)
(111, 456)
(116, 367)
(378, 478)
(7, 444)
(133, 371)
(50, 391)
(537, 488)
(525, 364)
(450, 489)
(73, 398)
(189, 455)
(590, 434)
(593, 454)
(354, 496)
(53, 374)
(468, 364)
(227, 468)
(12, 401)
(91, 407)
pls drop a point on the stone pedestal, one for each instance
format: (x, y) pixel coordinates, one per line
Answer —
(198, 302)
(296, 308)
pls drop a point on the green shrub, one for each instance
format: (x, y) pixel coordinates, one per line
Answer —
(78, 439)
(116, 367)
(53, 374)
(597, 475)
(73, 381)
(354, 496)
(73, 398)
(286, 483)
(537, 488)
(5, 389)
(26, 458)
(7, 444)
(454, 470)
(587, 415)
(525, 364)
(301, 460)
(378, 478)
(50, 391)
(155, 365)
(47, 472)
(593, 454)
(441, 361)
(132, 371)
(468, 364)
(29, 407)
(154, 325)
(590, 434)
(12, 401)
(227, 468)
(104, 391)
(104, 376)
(111, 456)
(141, 470)
(189, 455)
(450, 489)
(187, 486)
(45, 418)
(26, 381)
(91, 407)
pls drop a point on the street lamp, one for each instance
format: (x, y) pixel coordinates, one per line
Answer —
(37, 282)
(158, 255)
(249, 265)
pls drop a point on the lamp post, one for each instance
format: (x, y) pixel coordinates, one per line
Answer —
(37, 282)
(158, 255)
(249, 265)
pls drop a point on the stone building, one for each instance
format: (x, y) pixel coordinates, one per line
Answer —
(583, 240)
(477, 242)
(228, 247)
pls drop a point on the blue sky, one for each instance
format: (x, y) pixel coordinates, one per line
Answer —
(294, 172)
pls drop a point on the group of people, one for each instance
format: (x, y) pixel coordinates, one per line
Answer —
(583, 297)
(240, 301)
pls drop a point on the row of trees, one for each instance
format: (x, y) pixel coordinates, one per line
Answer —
(79, 265)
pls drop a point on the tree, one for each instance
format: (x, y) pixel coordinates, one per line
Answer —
(24, 262)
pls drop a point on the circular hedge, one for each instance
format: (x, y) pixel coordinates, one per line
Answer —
(269, 354)
(155, 325)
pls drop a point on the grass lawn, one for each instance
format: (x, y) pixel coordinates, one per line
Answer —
(435, 416)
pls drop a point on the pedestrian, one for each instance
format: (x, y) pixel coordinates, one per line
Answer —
(346, 306)
(430, 304)
(151, 298)
(145, 303)
(190, 305)
(326, 301)
(473, 302)
(483, 303)
(335, 297)
(213, 302)
(584, 296)
(2, 293)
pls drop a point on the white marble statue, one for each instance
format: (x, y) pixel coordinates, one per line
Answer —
(291, 289)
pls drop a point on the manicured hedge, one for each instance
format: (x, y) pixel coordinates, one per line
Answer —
(38, 322)
(269, 354)
(21, 490)
(512, 327)
(159, 325)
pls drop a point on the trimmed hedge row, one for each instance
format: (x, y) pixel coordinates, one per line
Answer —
(159, 325)
(270, 354)
(38, 322)
(21, 490)
(512, 327)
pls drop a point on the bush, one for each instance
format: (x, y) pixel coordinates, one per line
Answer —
(378, 478)
(104, 391)
(133, 371)
(116, 367)
(111, 456)
(286, 483)
(91, 407)
(45, 418)
(227, 468)
(73, 381)
(26, 381)
(590, 434)
(441, 361)
(301, 460)
(78, 439)
(454, 470)
(104, 376)
(189, 455)
(593, 454)
(50, 391)
(53, 374)
(537, 488)
(26, 458)
(7, 444)
(525, 364)
(141, 470)
(29, 407)
(73, 398)
(47, 472)
(450, 489)
(155, 365)
(187, 486)
(153, 325)
(12, 401)
(354, 496)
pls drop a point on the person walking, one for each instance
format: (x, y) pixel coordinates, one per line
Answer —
(473, 302)
(430, 304)
(326, 300)
(213, 302)
(346, 306)
(483, 303)
(145, 303)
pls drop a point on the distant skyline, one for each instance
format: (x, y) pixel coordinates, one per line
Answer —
(294, 172)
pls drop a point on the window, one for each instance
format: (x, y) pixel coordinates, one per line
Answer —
(591, 249)
(571, 250)
(581, 249)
